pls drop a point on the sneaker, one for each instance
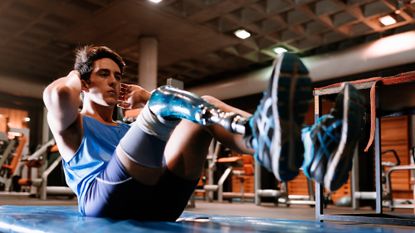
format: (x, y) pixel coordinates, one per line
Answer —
(320, 140)
(331, 141)
(275, 127)
(350, 108)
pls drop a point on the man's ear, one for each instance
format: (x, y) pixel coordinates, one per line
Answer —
(85, 85)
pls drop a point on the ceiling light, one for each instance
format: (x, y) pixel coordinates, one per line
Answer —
(387, 20)
(242, 33)
(279, 50)
(155, 1)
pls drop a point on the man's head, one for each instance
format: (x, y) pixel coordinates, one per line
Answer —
(101, 71)
(87, 55)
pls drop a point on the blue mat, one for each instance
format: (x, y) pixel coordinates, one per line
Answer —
(36, 219)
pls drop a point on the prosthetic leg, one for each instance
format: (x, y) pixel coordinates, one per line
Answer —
(170, 102)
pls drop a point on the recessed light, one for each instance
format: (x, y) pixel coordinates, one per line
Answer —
(242, 33)
(279, 50)
(387, 20)
(155, 1)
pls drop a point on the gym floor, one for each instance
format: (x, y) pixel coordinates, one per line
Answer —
(246, 209)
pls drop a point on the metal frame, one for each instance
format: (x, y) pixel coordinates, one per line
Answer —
(374, 218)
(281, 196)
(210, 188)
(214, 149)
(42, 181)
(45, 189)
(7, 151)
(389, 183)
(219, 187)
(277, 194)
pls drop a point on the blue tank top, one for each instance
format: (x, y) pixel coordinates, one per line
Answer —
(97, 147)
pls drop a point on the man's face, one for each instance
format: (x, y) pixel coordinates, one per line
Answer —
(104, 83)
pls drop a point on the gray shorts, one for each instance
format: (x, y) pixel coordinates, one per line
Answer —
(115, 194)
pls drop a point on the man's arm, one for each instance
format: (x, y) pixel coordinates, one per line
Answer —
(133, 96)
(62, 99)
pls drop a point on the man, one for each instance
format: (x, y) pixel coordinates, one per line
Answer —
(149, 169)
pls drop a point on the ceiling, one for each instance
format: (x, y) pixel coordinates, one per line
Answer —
(195, 37)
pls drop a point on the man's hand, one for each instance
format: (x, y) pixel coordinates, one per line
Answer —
(132, 96)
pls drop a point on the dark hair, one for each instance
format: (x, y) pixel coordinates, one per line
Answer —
(86, 55)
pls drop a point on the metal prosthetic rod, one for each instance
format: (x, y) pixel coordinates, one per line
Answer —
(170, 102)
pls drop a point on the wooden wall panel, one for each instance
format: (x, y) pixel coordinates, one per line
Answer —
(343, 191)
(3, 123)
(15, 117)
(395, 136)
(298, 186)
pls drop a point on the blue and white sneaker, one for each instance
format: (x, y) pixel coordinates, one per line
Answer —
(320, 140)
(353, 119)
(331, 141)
(275, 127)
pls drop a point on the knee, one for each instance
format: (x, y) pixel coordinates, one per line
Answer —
(189, 127)
(211, 100)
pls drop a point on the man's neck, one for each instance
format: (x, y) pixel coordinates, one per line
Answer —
(99, 112)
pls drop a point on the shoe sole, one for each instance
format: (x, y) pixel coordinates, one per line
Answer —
(334, 177)
(290, 76)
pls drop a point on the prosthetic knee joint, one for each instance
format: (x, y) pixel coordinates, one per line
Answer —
(170, 102)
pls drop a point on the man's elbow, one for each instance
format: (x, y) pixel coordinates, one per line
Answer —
(56, 95)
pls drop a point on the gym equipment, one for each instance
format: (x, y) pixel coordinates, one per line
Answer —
(3, 137)
(4, 141)
(209, 188)
(244, 174)
(39, 159)
(388, 181)
(9, 147)
(281, 195)
(66, 219)
(387, 168)
(8, 169)
(231, 162)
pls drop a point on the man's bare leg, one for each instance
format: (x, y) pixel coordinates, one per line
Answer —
(187, 148)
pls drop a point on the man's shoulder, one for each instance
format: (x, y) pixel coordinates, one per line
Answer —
(69, 139)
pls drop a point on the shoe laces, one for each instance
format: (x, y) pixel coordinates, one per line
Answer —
(326, 132)
(260, 124)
